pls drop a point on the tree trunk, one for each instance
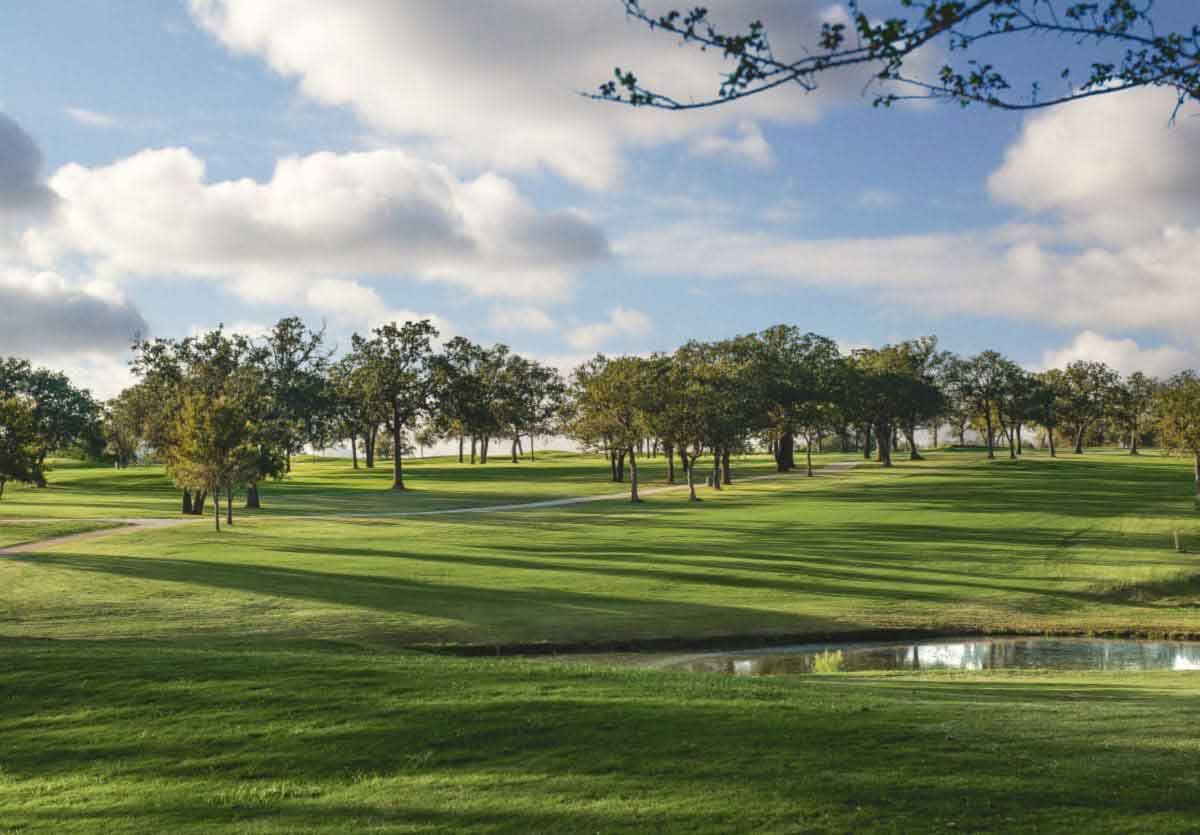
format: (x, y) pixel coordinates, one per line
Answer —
(689, 465)
(1020, 441)
(669, 452)
(187, 502)
(1133, 441)
(612, 465)
(397, 451)
(198, 503)
(1079, 439)
(935, 434)
(633, 477)
(484, 442)
(514, 449)
(1196, 477)
(726, 474)
(1012, 442)
(867, 442)
(217, 511)
(910, 432)
(1050, 438)
(370, 450)
(716, 469)
(991, 440)
(474, 442)
(252, 501)
(287, 467)
(683, 459)
(460, 448)
(785, 453)
(808, 457)
(228, 504)
(354, 450)
(883, 437)
(531, 456)
(962, 434)
(621, 466)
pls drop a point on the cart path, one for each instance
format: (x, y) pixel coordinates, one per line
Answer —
(127, 525)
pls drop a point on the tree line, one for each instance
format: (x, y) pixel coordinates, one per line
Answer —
(225, 412)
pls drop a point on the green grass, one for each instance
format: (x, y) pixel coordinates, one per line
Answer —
(20, 533)
(153, 738)
(330, 485)
(265, 679)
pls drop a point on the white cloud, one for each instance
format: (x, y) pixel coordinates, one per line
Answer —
(497, 84)
(521, 319)
(621, 322)
(1110, 168)
(84, 329)
(90, 117)
(1116, 251)
(44, 313)
(382, 213)
(749, 144)
(1125, 355)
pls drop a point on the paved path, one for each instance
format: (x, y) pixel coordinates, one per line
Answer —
(131, 524)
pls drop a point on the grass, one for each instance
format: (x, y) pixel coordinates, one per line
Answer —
(319, 740)
(19, 533)
(330, 485)
(269, 679)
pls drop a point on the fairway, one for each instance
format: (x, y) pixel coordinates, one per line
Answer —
(291, 674)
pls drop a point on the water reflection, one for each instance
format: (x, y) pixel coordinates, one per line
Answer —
(972, 654)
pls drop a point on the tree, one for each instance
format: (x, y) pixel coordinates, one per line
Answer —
(1044, 403)
(124, 418)
(19, 459)
(1178, 406)
(397, 371)
(920, 362)
(295, 367)
(981, 384)
(1107, 46)
(612, 399)
(215, 450)
(1087, 393)
(1015, 404)
(63, 415)
(1133, 400)
(892, 386)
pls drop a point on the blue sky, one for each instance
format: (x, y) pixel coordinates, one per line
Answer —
(234, 161)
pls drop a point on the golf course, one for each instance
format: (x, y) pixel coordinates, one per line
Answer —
(351, 658)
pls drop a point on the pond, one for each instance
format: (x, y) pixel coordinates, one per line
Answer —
(1013, 653)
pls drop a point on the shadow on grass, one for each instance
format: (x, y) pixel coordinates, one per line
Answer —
(152, 735)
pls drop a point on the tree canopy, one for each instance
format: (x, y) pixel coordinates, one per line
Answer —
(1099, 47)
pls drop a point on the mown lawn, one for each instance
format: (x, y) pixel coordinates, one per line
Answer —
(15, 532)
(331, 485)
(278, 676)
(160, 738)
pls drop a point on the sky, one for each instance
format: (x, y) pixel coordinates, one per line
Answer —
(168, 167)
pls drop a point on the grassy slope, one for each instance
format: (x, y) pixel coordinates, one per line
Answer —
(233, 718)
(162, 739)
(14, 532)
(332, 486)
(955, 543)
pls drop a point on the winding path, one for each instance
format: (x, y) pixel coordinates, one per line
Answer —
(131, 524)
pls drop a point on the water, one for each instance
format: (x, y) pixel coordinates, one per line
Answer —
(948, 654)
